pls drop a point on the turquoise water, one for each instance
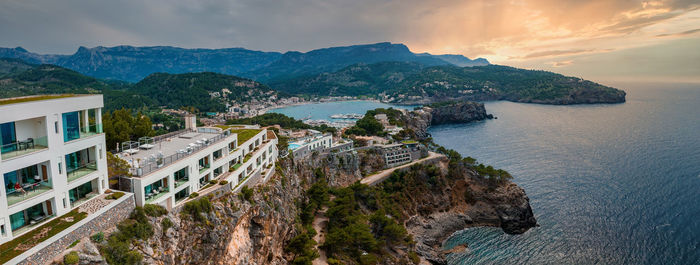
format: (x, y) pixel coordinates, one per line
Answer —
(323, 111)
(609, 184)
(293, 146)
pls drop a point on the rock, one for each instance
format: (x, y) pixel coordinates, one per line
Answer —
(458, 112)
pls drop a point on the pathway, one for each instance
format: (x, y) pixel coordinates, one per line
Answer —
(319, 224)
(379, 177)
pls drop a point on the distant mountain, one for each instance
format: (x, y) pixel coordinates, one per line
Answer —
(411, 83)
(295, 64)
(459, 60)
(132, 64)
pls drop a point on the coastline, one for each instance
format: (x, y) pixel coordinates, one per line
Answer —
(265, 110)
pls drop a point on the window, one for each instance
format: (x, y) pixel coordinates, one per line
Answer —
(8, 137)
(55, 126)
(60, 168)
(2, 229)
(71, 126)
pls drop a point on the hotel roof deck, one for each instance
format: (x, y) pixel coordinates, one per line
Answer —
(168, 149)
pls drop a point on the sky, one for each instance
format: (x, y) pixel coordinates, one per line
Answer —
(602, 40)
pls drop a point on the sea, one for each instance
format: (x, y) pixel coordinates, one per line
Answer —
(608, 183)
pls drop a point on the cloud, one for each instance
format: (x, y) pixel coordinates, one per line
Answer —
(561, 63)
(679, 34)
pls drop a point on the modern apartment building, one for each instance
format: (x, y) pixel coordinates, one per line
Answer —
(304, 147)
(52, 158)
(170, 168)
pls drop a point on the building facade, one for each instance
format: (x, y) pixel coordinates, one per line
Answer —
(52, 159)
(188, 162)
(304, 147)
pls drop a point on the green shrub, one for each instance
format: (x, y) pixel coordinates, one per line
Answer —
(74, 243)
(98, 237)
(71, 258)
(195, 208)
(193, 195)
(166, 223)
(154, 210)
(213, 181)
(246, 194)
(413, 256)
(114, 196)
(223, 182)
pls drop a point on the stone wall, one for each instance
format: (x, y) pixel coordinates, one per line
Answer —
(105, 218)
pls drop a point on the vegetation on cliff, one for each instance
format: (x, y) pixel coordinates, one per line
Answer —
(410, 82)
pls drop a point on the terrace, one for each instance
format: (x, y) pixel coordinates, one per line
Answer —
(167, 150)
(23, 137)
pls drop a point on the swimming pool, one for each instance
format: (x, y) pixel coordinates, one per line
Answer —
(293, 146)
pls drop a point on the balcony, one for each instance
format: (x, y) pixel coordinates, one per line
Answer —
(76, 125)
(202, 168)
(81, 171)
(154, 195)
(28, 191)
(20, 148)
(179, 182)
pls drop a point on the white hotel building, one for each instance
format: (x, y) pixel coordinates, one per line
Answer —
(52, 158)
(170, 168)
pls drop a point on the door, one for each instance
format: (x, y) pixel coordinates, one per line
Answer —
(8, 137)
(49, 210)
(44, 174)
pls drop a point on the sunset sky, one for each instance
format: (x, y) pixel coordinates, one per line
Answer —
(596, 39)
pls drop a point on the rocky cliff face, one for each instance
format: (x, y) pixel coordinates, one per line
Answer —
(420, 120)
(462, 199)
(458, 112)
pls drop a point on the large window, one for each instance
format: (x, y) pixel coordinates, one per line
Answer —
(8, 137)
(33, 214)
(71, 126)
(181, 195)
(80, 192)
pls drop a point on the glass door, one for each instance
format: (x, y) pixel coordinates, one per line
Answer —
(71, 126)
(8, 137)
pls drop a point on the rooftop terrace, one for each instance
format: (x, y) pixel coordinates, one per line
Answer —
(167, 150)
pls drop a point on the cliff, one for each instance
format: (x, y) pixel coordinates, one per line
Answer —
(420, 120)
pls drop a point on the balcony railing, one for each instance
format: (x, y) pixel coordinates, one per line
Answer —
(28, 191)
(147, 167)
(203, 168)
(181, 181)
(154, 195)
(79, 172)
(23, 147)
(90, 130)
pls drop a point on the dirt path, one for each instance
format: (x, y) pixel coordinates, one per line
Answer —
(376, 178)
(319, 224)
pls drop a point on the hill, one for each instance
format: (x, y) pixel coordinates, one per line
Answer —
(410, 83)
(205, 91)
(18, 78)
(132, 64)
(295, 64)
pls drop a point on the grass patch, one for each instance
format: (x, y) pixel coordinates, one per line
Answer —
(114, 196)
(34, 98)
(74, 243)
(24, 242)
(71, 258)
(245, 134)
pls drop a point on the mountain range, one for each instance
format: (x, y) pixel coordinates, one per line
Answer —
(128, 63)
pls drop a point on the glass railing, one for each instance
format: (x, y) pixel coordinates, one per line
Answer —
(79, 172)
(181, 181)
(27, 191)
(154, 195)
(23, 147)
(203, 168)
(90, 130)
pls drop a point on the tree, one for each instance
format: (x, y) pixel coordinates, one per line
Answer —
(121, 126)
(116, 168)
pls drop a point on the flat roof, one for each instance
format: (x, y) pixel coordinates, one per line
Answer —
(171, 145)
(15, 100)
